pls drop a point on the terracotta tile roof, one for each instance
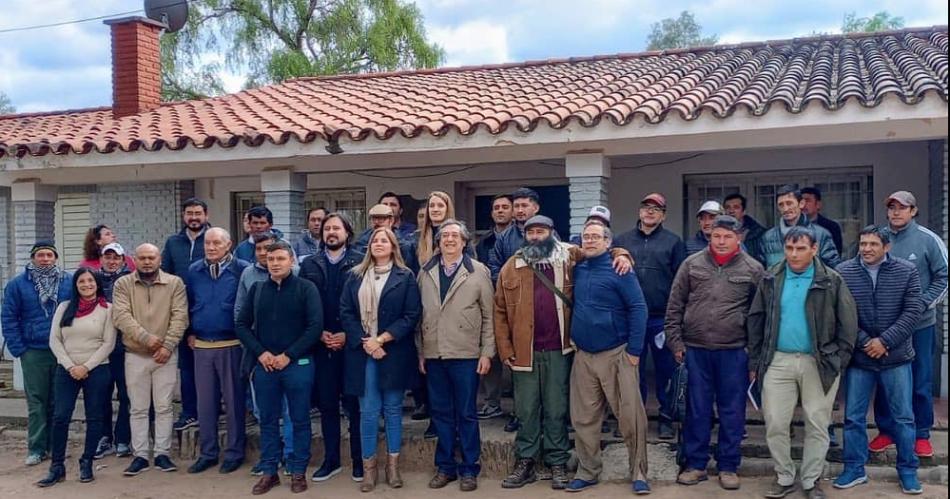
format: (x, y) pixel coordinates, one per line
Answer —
(829, 71)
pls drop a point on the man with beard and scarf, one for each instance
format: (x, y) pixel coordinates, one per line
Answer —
(112, 266)
(29, 302)
(180, 251)
(150, 307)
(328, 269)
(532, 334)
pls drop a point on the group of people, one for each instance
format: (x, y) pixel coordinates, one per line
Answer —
(265, 329)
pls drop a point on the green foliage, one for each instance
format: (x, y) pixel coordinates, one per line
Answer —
(882, 21)
(274, 40)
(6, 107)
(681, 32)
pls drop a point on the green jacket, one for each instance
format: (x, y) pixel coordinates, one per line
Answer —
(832, 318)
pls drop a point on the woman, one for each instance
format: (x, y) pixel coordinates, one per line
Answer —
(439, 207)
(97, 238)
(379, 309)
(81, 338)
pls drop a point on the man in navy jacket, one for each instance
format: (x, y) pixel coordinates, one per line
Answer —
(608, 326)
(212, 287)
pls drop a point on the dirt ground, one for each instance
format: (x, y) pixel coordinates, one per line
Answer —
(17, 482)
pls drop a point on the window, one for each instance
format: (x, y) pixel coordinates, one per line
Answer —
(846, 196)
(351, 202)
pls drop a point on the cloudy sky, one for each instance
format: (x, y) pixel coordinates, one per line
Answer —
(68, 67)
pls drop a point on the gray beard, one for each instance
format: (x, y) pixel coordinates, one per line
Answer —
(536, 252)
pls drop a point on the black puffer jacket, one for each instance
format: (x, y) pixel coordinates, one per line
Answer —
(658, 256)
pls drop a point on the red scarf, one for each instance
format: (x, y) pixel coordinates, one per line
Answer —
(724, 259)
(87, 306)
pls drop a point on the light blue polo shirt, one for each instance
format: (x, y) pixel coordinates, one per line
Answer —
(793, 333)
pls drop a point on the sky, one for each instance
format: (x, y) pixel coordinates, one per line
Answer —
(69, 67)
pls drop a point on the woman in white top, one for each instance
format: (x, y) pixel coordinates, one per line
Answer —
(81, 338)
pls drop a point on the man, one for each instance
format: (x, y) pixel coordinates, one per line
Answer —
(607, 326)
(29, 302)
(887, 292)
(532, 335)
(525, 204)
(772, 245)
(403, 229)
(309, 241)
(812, 209)
(802, 327)
(492, 383)
(328, 270)
(112, 266)
(706, 328)
(456, 343)
(280, 351)
(926, 251)
(212, 287)
(658, 253)
(705, 216)
(260, 221)
(597, 213)
(150, 307)
(380, 216)
(735, 205)
(180, 251)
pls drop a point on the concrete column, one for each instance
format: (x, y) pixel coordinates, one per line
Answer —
(33, 217)
(587, 175)
(283, 195)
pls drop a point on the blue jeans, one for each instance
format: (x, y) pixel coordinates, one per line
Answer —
(896, 384)
(453, 388)
(374, 401)
(186, 368)
(720, 377)
(663, 364)
(95, 393)
(270, 388)
(923, 395)
(287, 429)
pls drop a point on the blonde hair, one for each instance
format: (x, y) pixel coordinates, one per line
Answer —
(368, 261)
(425, 249)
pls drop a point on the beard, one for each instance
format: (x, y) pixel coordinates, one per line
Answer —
(333, 244)
(536, 251)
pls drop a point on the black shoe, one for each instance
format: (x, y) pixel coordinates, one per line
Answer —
(358, 472)
(559, 477)
(57, 473)
(326, 471)
(85, 471)
(198, 466)
(164, 464)
(430, 432)
(184, 423)
(666, 431)
(139, 464)
(230, 465)
(605, 427)
(522, 475)
(512, 425)
(420, 413)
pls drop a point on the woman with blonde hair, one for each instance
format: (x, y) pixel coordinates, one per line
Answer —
(379, 309)
(439, 208)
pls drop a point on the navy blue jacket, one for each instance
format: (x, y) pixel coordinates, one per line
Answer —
(25, 322)
(179, 252)
(696, 243)
(609, 309)
(506, 244)
(888, 311)
(245, 250)
(314, 269)
(400, 307)
(211, 302)
(658, 256)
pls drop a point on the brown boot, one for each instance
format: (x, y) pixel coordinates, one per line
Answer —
(369, 475)
(393, 478)
(264, 485)
(298, 483)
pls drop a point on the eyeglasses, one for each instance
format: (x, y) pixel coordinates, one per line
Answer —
(652, 209)
(592, 238)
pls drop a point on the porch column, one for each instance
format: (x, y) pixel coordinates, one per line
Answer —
(33, 218)
(587, 175)
(283, 194)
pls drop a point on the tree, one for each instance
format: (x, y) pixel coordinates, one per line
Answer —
(682, 32)
(273, 40)
(882, 21)
(6, 107)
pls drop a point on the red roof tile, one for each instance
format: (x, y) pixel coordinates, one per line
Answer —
(830, 71)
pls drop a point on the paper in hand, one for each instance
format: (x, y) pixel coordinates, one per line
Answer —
(660, 339)
(752, 395)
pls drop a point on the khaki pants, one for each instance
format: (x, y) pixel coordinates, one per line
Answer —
(599, 379)
(150, 383)
(790, 376)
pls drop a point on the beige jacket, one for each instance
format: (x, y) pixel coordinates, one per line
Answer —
(140, 311)
(461, 326)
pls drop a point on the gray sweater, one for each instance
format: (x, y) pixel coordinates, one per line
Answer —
(926, 251)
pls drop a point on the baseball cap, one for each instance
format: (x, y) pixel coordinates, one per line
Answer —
(116, 247)
(903, 197)
(539, 220)
(727, 222)
(601, 212)
(712, 207)
(380, 210)
(655, 198)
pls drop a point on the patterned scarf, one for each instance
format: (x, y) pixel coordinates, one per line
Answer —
(368, 297)
(215, 268)
(46, 280)
(87, 306)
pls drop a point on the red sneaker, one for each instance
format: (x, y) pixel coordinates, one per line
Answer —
(880, 443)
(923, 448)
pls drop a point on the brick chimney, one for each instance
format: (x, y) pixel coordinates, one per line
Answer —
(136, 65)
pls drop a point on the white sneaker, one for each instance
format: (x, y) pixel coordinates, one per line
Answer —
(34, 459)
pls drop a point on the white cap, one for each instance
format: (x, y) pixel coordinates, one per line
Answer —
(600, 212)
(712, 207)
(113, 247)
